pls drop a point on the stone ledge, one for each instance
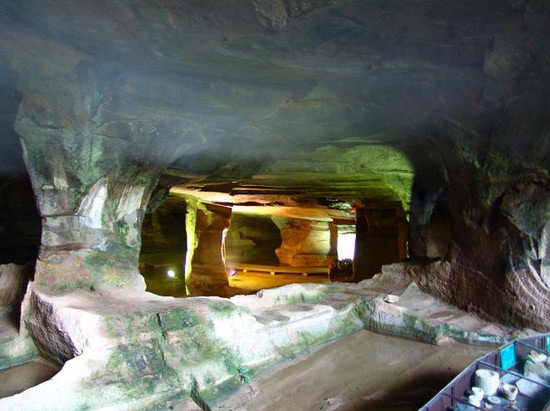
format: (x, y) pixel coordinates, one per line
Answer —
(138, 350)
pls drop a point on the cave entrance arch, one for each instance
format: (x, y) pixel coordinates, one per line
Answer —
(296, 227)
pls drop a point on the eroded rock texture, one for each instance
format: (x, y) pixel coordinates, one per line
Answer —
(368, 92)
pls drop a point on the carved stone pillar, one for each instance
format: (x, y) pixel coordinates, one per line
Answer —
(206, 225)
(92, 169)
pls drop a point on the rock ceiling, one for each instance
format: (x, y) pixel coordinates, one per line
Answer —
(245, 84)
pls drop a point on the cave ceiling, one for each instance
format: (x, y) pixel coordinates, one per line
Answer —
(280, 88)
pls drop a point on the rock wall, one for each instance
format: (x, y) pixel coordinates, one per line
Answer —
(92, 168)
(484, 207)
(13, 284)
(481, 196)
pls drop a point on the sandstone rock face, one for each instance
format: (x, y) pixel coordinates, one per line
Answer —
(13, 283)
(16, 345)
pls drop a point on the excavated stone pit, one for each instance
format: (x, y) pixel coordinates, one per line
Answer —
(214, 149)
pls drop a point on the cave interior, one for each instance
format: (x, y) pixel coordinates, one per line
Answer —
(193, 191)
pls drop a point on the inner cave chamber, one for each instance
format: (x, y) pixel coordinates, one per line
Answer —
(239, 242)
(298, 171)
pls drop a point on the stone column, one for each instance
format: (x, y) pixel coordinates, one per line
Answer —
(92, 171)
(91, 226)
(305, 242)
(205, 267)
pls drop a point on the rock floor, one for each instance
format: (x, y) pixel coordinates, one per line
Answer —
(363, 371)
(17, 379)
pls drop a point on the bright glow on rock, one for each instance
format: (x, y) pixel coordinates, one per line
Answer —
(170, 273)
(346, 246)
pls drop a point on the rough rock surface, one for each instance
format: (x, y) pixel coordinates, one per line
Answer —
(16, 344)
(136, 350)
(15, 348)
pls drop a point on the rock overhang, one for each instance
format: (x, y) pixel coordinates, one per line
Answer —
(252, 90)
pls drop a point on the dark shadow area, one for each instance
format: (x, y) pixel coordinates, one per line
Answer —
(164, 246)
(252, 239)
(20, 225)
(381, 237)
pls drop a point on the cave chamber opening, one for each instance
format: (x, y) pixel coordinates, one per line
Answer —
(226, 238)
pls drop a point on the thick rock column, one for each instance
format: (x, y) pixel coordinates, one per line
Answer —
(206, 226)
(90, 232)
(306, 242)
(93, 169)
